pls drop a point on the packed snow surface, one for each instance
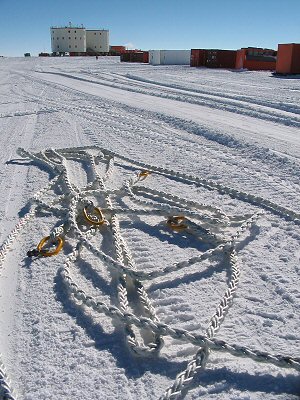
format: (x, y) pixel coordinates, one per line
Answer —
(237, 129)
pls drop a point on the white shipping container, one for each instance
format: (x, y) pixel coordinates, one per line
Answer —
(175, 57)
(154, 57)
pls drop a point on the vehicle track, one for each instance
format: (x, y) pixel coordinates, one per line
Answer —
(129, 125)
(211, 101)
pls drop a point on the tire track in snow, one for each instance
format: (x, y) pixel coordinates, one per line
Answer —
(99, 116)
(235, 107)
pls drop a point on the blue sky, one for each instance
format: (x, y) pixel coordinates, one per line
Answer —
(153, 24)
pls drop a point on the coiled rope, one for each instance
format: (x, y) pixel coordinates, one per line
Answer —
(201, 220)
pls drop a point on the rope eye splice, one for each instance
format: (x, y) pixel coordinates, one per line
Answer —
(176, 223)
(41, 252)
(97, 218)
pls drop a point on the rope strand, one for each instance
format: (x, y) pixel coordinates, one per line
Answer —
(208, 223)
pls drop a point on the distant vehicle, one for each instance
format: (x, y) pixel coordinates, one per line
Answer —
(27, 55)
(66, 53)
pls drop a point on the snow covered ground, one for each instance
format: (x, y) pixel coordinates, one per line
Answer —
(237, 130)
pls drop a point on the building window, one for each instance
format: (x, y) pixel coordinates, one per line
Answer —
(57, 38)
(63, 37)
(58, 47)
(80, 38)
(94, 33)
(75, 37)
(95, 47)
(70, 37)
(52, 31)
(75, 46)
(69, 46)
(75, 31)
(69, 31)
(100, 33)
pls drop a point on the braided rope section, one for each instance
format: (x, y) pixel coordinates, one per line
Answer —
(175, 333)
(5, 247)
(206, 222)
(185, 378)
(123, 255)
(222, 189)
(6, 392)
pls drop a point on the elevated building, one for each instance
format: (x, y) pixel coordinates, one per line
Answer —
(77, 40)
(97, 40)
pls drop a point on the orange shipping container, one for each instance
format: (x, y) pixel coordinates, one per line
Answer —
(256, 59)
(288, 59)
(117, 49)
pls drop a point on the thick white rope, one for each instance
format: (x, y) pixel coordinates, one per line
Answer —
(175, 333)
(123, 255)
(6, 392)
(185, 378)
(209, 184)
(73, 200)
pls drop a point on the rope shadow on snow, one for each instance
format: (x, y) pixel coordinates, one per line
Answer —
(88, 271)
(19, 161)
(22, 162)
(114, 342)
(223, 380)
(163, 234)
(285, 76)
(189, 277)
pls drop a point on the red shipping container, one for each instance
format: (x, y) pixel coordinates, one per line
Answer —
(197, 58)
(240, 57)
(125, 57)
(135, 56)
(213, 58)
(288, 59)
(220, 58)
(145, 56)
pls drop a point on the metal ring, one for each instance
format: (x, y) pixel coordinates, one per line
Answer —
(45, 253)
(176, 224)
(144, 174)
(99, 221)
